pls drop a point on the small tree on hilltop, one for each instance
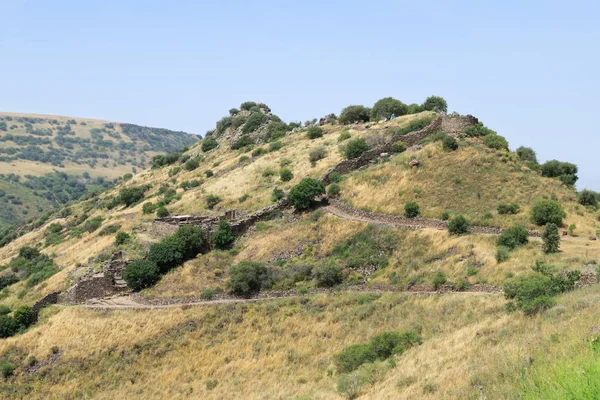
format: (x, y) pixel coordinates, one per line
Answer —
(353, 114)
(303, 193)
(587, 198)
(140, 274)
(435, 103)
(551, 239)
(388, 107)
(314, 132)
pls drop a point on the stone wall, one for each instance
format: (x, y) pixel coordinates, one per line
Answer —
(455, 124)
(51, 298)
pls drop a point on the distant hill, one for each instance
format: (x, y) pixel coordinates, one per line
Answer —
(78, 153)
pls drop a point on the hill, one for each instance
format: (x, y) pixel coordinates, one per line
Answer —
(47, 161)
(317, 260)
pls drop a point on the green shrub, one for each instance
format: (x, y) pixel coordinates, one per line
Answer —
(184, 244)
(458, 225)
(353, 356)
(388, 107)
(92, 224)
(502, 253)
(304, 192)
(352, 114)
(495, 141)
(258, 152)
(526, 154)
(247, 278)
(24, 316)
(275, 146)
(356, 148)
(268, 172)
(399, 147)
(345, 135)
(414, 125)
(445, 216)
(588, 198)
(245, 197)
(327, 274)
(243, 159)
(478, 130)
(439, 279)
(121, 238)
(162, 212)
(140, 274)
(550, 239)
(547, 212)
(7, 369)
(411, 209)
(504, 208)
(148, 208)
(286, 175)
(317, 154)
(335, 177)
(314, 132)
(276, 195)
(435, 103)
(243, 141)
(223, 237)
(8, 327)
(247, 105)
(191, 164)
(333, 190)
(212, 200)
(207, 294)
(513, 237)
(564, 171)
(449, 143)
(131, 195)
(254, 122)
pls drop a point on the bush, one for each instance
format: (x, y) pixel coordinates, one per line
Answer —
(304, 192)
(121, 238)
(317, 154)
(24, 316)
(445, 216)
(268, 172)
(414, 125)
(411, 209)
(399, 147)
(258, 152)
(184, 244)
(7, 369)
(439, 279)
(495, 141)
(275, 146)
(286, 175)
(131, 195)
(526, 154)
(223, 237)
(355, 148)
(276, 195)
(243, 141)
(547, 212)
(212, 200)
(335, 177)
(387, 108)
(478, 130)
(327, 274)
(345, 135)
(148, 208)
(209, 143)
(449, 143)
(314, 132)
(162, 212)
(333, 190)
(140, 274)
(191, 164)
(353, 114)
(502, 253)
(504, 208)
(458, 225)
(513, 237)
(8, 327)
(247, 278)
(254, 122)
(588, 198)
(564, 171)
(550, 239)
(354, 356)
(435, 103)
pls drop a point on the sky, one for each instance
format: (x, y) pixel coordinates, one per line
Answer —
(527, 69)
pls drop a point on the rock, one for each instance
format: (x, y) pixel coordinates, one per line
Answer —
(383, 155)
(414, 163)
(592, 237)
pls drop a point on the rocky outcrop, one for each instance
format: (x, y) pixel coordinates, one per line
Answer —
(456, 124)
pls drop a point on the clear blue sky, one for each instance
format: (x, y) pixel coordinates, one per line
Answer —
(529, 71)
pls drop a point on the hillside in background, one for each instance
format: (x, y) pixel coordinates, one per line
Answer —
(388, 252)
(47, 161)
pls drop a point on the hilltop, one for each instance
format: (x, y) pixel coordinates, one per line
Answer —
(47, 161)
(388, 252)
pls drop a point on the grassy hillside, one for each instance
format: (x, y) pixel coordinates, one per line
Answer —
(473, 343)
(34, 146)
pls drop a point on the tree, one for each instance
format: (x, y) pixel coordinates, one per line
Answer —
(140, 274)
(388, 107)
(24, 316)
(435, 103)
(314, 132)
(588, 198)
(411, 209)
(547, 212)
(29, 253)
(247, 278)
(458, 225)
(564, 171)
(355, 148)
(162, 212)
(285, 174)
(449, 143)
(166, 255)
(131, 195)
(191, 164)
(353, 114)
(209, 143)
(526, 154)
(551, 239)
(223, 237)
(304, 192)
